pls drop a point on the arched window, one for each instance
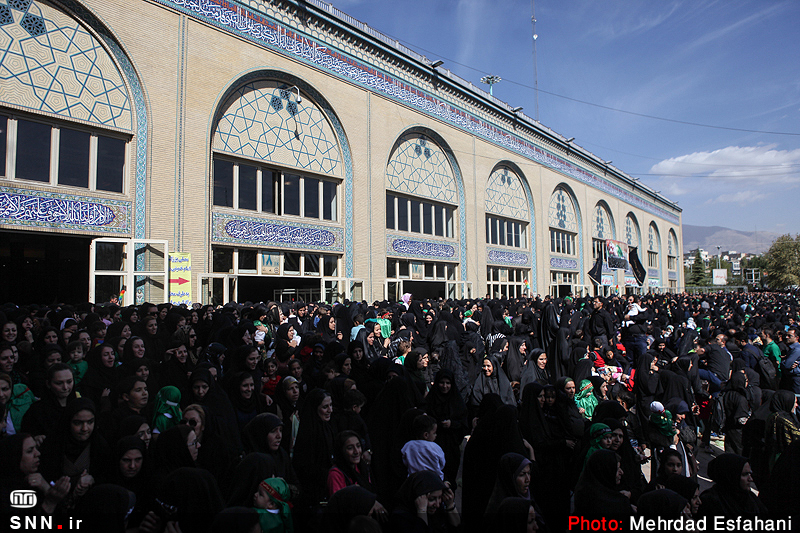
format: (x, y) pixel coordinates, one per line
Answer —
(276, 153)
(672, 251)
(507, 224)
(632, 236)
(653, 246)
(51, 64)
(422, 195)
(602, 229)
(563, 222)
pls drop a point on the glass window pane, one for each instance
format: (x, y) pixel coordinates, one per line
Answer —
(509, 233)
(247, 187)
(429, 270)
(291, 195)
(415, 225)
(449, 223)
(439, 216)
(33, 151)
(427, 219)
(451, 272)
(311, 198)
(402, 214)
(311, 265)
(494, 230)
(223, 183)
(488, 230)
(501, 232)
(291, 263)
(269, 180)
(402, 269)
(222, 260)
(439, 271)
(331, 265)
(329, 201)
(3, 143)
(110, 163)
(391, 268)
(517, 234)
(109, 256)
(389, 211)
(73, 158)
(247, 261)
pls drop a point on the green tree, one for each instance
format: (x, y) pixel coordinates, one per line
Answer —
(697, 276)
(782, 262)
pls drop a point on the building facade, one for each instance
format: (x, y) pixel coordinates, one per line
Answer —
(253, 149)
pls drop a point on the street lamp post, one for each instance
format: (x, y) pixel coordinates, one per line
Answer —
(718, 258)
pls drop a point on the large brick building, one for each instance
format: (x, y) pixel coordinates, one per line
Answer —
(287, 150)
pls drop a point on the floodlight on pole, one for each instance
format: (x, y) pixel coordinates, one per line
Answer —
(490, 80)
(437, 63)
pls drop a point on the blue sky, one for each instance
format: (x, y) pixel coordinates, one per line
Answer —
(727, 64)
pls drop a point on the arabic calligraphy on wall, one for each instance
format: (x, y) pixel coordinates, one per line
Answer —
(398, 246)
(267, 32)
(40, 209)
(256, 231)
(560, 262)
(508, 258)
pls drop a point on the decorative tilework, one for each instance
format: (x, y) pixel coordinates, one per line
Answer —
(561, 263)
(653, 241)
(632, 232)
(505, 257)
(263, 120)
(5, 15)
(264, 31)
(652, 272)
(281, 234)
(562, 211)
(505, 195)
(672, 244)
(419, 167)
(56, 66)
(672, 276)
(602, 225)
(22, 207)
(320, 101)
(400, 246)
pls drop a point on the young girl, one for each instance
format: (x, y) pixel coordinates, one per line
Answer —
(76, 360)
(272, 503)
(272, 378)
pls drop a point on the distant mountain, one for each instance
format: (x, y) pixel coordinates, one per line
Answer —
(709, 237)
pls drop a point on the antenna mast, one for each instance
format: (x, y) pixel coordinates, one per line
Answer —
(535, 72)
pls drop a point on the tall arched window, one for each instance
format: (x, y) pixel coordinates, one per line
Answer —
(602, 229)
(632, 235)
(653, 246)
(508, 272)
(563, 224)
(278, 174)
(423, 194)
(672, 251)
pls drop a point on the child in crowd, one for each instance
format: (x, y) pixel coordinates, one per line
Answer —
(272, 378)
(271, 502)
(77, 360)
(423, 453)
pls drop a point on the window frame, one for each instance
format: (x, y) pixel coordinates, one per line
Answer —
(277, 180)
(429, 215)
(563, 242)
(56, 126)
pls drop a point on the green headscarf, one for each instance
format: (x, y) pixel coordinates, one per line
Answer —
(663, 421)
(168, 410)
(585, 398)
(596, 434)
(279, 493)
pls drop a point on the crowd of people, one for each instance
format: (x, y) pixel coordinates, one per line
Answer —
(411, 416)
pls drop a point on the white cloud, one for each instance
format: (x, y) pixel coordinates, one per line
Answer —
(739, 197)
(735, 164)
